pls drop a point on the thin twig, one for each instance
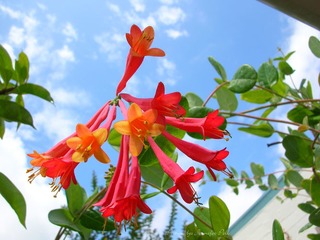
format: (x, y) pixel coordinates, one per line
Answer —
(213, 92)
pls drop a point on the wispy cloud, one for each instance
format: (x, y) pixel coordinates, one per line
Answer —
(138, 5)
(173, 33)
(110, 45)
(167, 71)
(170, 15)
(70, 32)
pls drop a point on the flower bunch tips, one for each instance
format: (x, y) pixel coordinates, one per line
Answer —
(143, 120)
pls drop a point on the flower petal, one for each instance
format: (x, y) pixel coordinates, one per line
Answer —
(101, 156)
(74, 142)
(122, 127)
(100, 135)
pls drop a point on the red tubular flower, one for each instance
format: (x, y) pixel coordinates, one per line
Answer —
(140, 42)
(165, 104)
(207, 126)
(123, 196)
(212, 159)
(181, 178)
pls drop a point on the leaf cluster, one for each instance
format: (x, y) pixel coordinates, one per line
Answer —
(14, 85)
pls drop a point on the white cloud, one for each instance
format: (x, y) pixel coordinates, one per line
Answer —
(169, 2)
(12, 13)
(65, 55)
(38, 195)
(56, 123)
(70, 32)
(109, 44)
(16, 35)
(67, 98)
(166, 69)
(306, 65)
(138, 5)
(239, 204)
(162, 213)
(114, 8)
(172, 33)
(170, 15)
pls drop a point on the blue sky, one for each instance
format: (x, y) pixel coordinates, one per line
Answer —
(77, 50)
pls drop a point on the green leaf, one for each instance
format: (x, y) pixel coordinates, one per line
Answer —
(244, 79)
(219, 68)
(285, 68)
(149, 195)
(280, 88)
(277, 232)
(6, 69)
(261, 130)
(192, 232)
(219, 215)
(298, 113)
(14, 197)
(76, 197)
(234, 172)
(22, 68)
(204, 214)
(256, 96)
(298, 150)
(34, 89)
(92, 219)
(294, 177)
(315, 190)
(194, 100)
(307, 207)
(63, 218)
(314, 217)
(305, 227)
(257, 170)
(2, 128)
(306, 185)
(232, 182)
(273, 181)
(313, 236)
(314, 45)
(114, 139)
(11, 111)
(227, 99)
(267, 74)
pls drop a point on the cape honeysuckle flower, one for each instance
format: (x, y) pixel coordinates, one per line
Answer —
(123, 195)
(140, 42)
(88, 143)
(165, 104)
(181, 178)
(207, 126)
(139, 126)
(211, 159)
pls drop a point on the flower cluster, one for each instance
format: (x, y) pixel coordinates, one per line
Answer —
(143, 120)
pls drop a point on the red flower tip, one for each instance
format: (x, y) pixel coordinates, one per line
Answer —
(182, 184)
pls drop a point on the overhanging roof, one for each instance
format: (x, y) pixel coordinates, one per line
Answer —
(306, 11)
